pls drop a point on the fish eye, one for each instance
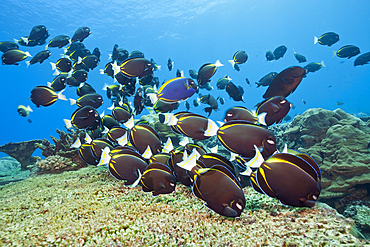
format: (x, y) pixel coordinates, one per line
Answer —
(238, 206)
(270, 142)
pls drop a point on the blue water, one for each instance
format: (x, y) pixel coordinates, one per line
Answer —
(191, 33)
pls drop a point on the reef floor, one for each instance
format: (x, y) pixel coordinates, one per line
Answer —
(88, 207)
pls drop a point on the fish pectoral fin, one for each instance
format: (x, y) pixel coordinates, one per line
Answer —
(162, 185)
(228, 211)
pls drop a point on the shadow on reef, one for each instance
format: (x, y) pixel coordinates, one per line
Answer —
(339, 142)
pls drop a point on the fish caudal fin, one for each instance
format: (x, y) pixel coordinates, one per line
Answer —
(53, 66)
(105, 157)
(147, 153)
(218, 63)
(73, 101)
(168, 147)
(76, 144)
(315, 40)
(262, 118)
(122, 141)
(214, 149)
(61, 96)
(130, 123)
(28, 63)
(232, 62)
(212, 128)
(68, 123)
(323, 64)
(137, 181)
(190, 162)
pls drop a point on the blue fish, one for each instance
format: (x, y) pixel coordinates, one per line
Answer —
(176, 89)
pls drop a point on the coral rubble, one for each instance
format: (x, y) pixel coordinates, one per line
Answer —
(22, 152)
(89, 207)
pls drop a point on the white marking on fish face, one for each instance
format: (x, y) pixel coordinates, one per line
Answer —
(314, 197)
(270, 142)
(238, 206)
(172, 184)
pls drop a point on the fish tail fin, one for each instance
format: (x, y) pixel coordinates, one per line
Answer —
(137, 181)
(73, 101)
(220, 123)
(190, 162)
(16, 41)
(262, 118)
(68, 123)
(88, 139)
(214, 149)
(315, 40)
(53, 66)
(110, 57)
(105, 87)
(159, 67)
(79, 60)
(105, 131)
(323, 64)
(29, 108)
(46, 47)
(153, 97)
(76, 144)
(168, 118)
(102, 71)
(56, 72)
(218, 63)
(232, 62)
(48, 84)
(28, 63)
(168, 147)
(105, 157)
(116, 68)
(130, 123)
(25, 40)
(28, 54)
(61, 96)
(258, 84)
(257, 160)
(184, 141)
(147, 153)
(122, 141)
(334, 53)
(212, 128)
(208, 110)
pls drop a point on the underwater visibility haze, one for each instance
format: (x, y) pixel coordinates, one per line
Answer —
(305, 50)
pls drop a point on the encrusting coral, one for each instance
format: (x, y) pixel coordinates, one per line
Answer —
(338, 142)
(22, 152)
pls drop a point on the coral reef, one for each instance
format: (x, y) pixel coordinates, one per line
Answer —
(361, 215)
(22, 152)
(55, 163)
(62, 156)
(10, 171)
(89, 207)
(339, 143)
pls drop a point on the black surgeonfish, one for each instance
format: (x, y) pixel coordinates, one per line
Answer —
(279, 52)
(240, 136)
(59, 41)
(109, 121)
(195, 126)
(362, 59)
(96, 52)
(269, 55)
(207, 71)
(236, 93)
(8, 45)
(59, 83)
(90, 61)
(312, 67)
(136, 54)
(219, 188)
(76, 66)
(161, 158)
(239, 57)
(14, 56)
(180, 173)
(300, 58)
(348, 51)
(211, 101)
(121, 114)
(126, 165)
(86, 153)
(267, 79)
(276, 109)
(45, 96)
(116, 134)
(161, 106)
(136, 67)
(93, 99)
(158, 178)
(85, 89)
(122, 55)
(73, 47)
(81, 34)
(207, 160)
(63, 65)
(328, 39)
(139, 101)
(142, 136)
(80, 75)
(193, 74)
(85, 117)
(222, 82)
(285, 82)
(37, 33)
(294, 179)
(39, 57)
(170, 64)
(79, 53)
(98, 146)
(240, 113)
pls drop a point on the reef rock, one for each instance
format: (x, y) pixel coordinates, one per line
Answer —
(338, 141)
(21, 151)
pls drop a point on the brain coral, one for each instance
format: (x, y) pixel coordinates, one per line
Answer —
(339, 143)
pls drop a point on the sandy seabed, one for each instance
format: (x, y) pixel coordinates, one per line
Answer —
(88, 207)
